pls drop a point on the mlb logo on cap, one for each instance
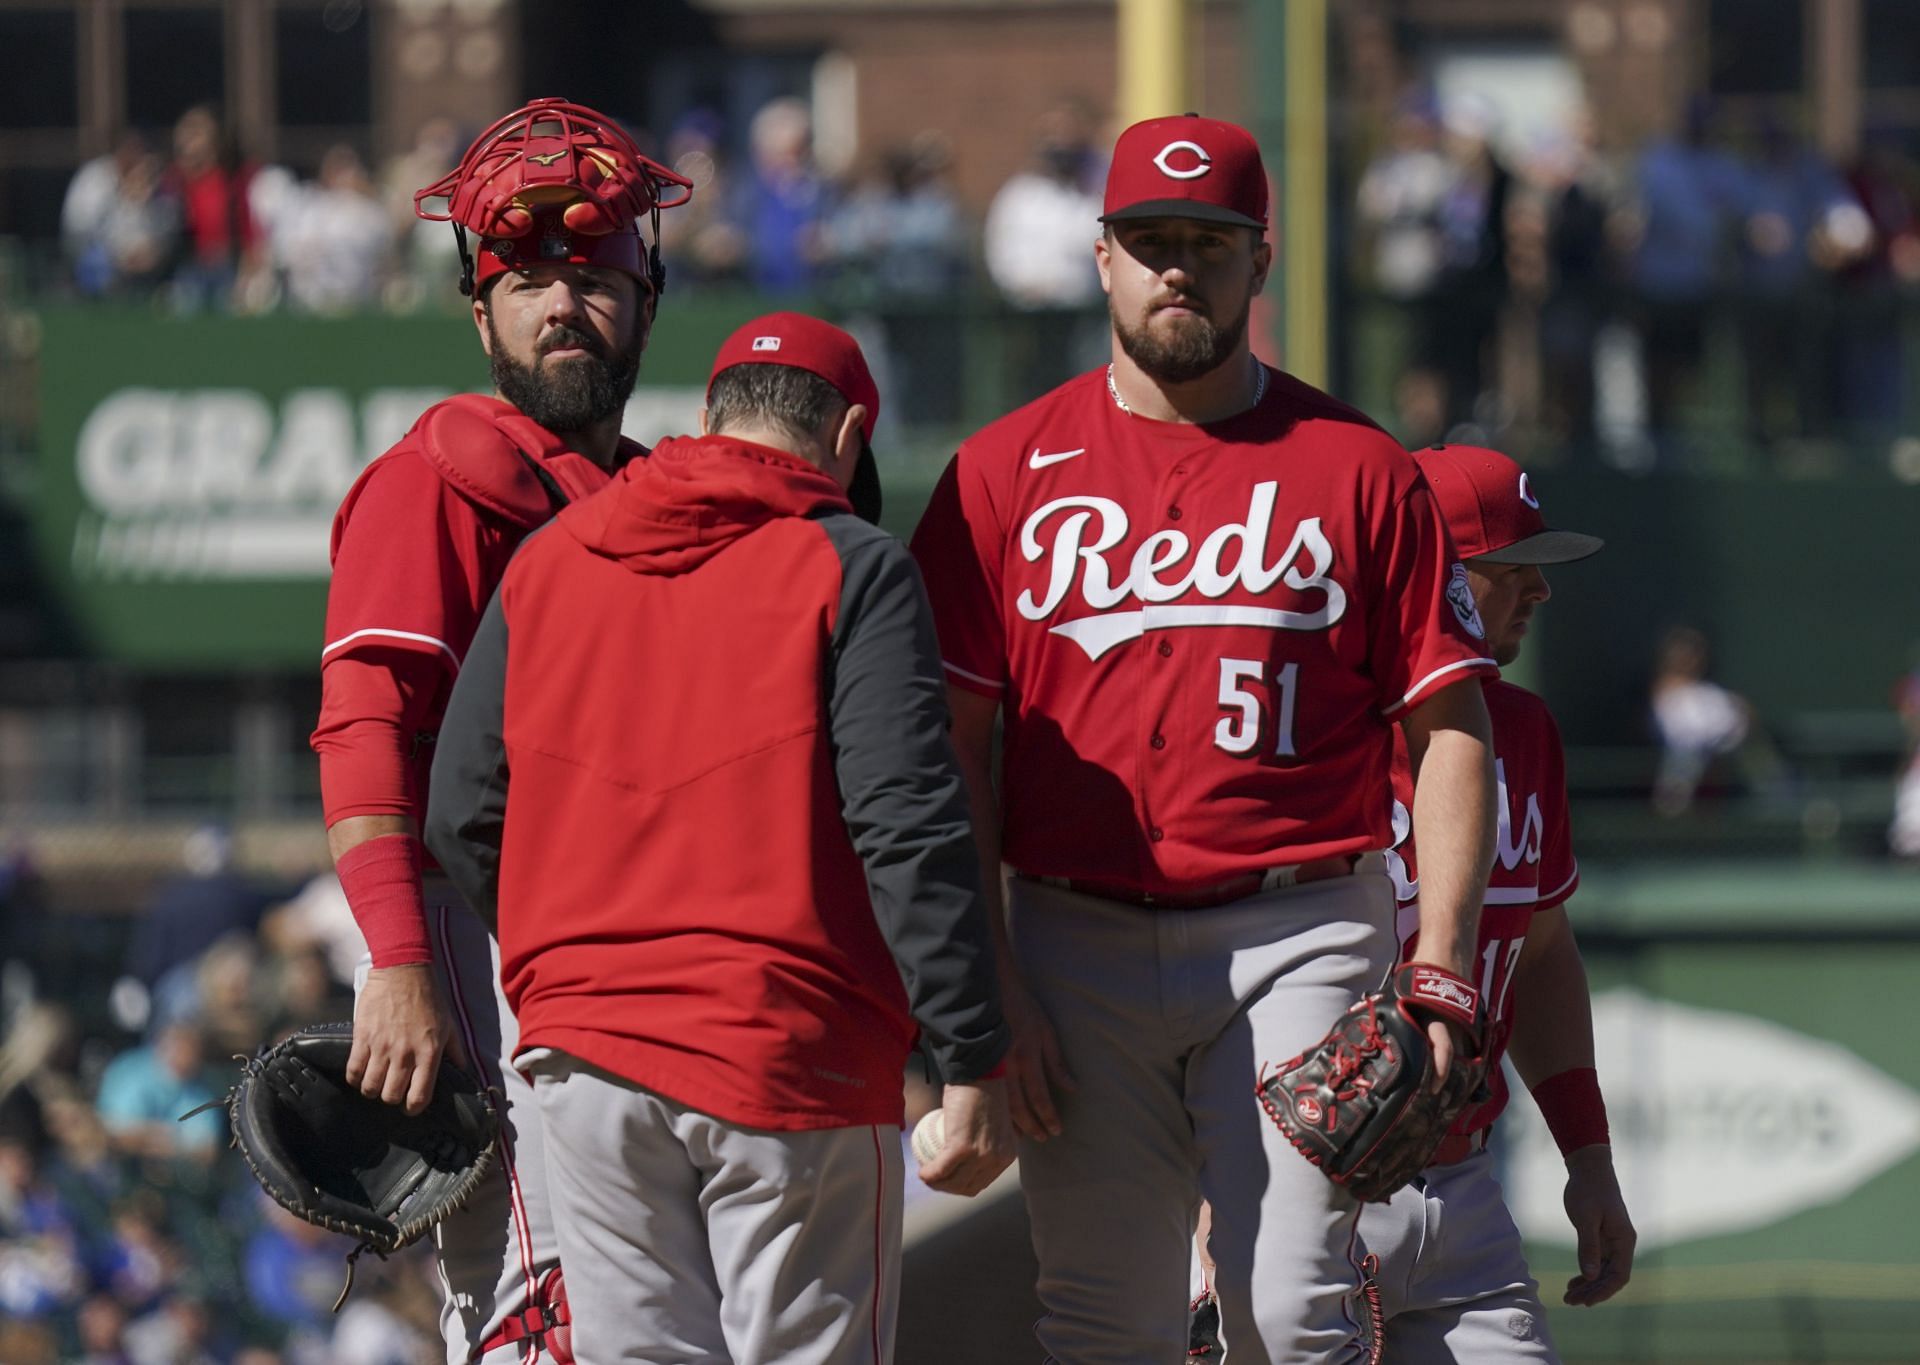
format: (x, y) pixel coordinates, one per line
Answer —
(766, 343)
(1187, 167)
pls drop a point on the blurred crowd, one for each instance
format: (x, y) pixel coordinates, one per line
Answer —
(1540, 268)
(129, 1236)
(199, 224)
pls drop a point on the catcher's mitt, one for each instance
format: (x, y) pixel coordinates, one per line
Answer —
(358, 1166)
(1359, 1104)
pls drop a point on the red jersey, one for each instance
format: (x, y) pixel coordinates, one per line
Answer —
(419, 544)
(1200, 635)
(1533, 863)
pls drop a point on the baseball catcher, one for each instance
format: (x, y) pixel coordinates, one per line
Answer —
(351, 1164)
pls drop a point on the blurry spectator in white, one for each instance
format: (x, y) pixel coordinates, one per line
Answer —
(178, 1332)
(1042, 223)
(700, 242)
(1698, 722)
(901, 233)
(318, 918)
(1399, 201)
(391, 1318)
(334, 242)
(781, 204)
(1903, 836)
(146, 1089)
(428, 260)
(120, 229)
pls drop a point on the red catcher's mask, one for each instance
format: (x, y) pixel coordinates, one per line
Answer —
(554, 183)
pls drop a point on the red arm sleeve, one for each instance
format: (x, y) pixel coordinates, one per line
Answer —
(373, 706)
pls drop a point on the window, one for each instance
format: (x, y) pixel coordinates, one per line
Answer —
(39, 68)
(323, 65)
(1756, 47)
(176, 58)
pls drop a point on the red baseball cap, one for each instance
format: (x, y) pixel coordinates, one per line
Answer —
(1186, 166)
(806, 344)
(1491, 510)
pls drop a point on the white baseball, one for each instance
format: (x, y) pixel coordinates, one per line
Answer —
(929, 1136)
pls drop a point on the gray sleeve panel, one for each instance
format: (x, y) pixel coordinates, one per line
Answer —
(467, 797)
(905, 802)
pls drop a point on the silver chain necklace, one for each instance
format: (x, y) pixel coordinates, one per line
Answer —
(1259, 390)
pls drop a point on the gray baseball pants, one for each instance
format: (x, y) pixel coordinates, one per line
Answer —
(495, 1251)
(1453, 1278)
(691, 1241)
(1165, 1018)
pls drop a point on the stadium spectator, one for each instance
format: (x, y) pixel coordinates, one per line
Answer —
(102, 1324)
(1869, 354)
(704, 243)
(1685, 191)
(783, 200)
(1470, 288)
(41, 1272)
(901, 233)
(425, 260)
(333, 241)
(184, 916)
(146, 1089)
(119, 226)
(1583, 203)
(1042, 222)
(224, 244)
(1699, 722)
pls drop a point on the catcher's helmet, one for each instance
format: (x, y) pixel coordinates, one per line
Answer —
(554, 182)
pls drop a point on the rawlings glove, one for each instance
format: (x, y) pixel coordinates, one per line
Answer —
(356, 1165)
(1360, 1103)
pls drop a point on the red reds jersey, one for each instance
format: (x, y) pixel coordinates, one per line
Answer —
(1533, 863)
(419, 544)
(1200, 635)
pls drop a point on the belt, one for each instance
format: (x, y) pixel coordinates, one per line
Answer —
(1220, 893)
(1455, 1147)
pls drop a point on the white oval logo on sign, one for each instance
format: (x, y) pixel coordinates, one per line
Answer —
(1721, 1122)
(1203, 162)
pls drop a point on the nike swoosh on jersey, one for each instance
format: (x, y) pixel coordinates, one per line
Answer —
(1039, 461)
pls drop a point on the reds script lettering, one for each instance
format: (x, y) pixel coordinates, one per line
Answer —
(1074, 554)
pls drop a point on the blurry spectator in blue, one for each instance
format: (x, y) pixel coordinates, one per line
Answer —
(332, 241)
(897, 242)
(783, 200)
(1470, 289)
(90, 1177)
(1869, 360)
(700, 240)
(294, 1271)
(185, 916)
(139, 1264)
(120, 229)
(41, 1270)
(1042, 223)
(1685, 192)
(901, 233)
(102, 1325)
(146, 1089)
(1798, 221)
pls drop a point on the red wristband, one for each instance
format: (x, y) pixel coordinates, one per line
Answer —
(1570, 1102)
(381, 878)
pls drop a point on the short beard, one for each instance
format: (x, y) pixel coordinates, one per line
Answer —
(572, 395)
(1198, 346)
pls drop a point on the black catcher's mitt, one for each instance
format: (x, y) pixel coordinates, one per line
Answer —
(356, 1165)
(1359, 1104)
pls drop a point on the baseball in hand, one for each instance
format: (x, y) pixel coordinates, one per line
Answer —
(929, 1136)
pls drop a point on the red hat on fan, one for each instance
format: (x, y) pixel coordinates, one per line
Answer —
(1492, 510)
(806, 344)
(1186, 166)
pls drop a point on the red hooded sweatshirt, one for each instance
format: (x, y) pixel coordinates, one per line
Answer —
(696, 764)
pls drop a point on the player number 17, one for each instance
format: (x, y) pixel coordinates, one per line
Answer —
(1240, 693)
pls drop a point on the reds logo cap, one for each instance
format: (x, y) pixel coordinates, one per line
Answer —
(1186, 166)
(1491, 509)
(808, 344)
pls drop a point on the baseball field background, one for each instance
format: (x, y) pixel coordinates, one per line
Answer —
(1474, 246)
